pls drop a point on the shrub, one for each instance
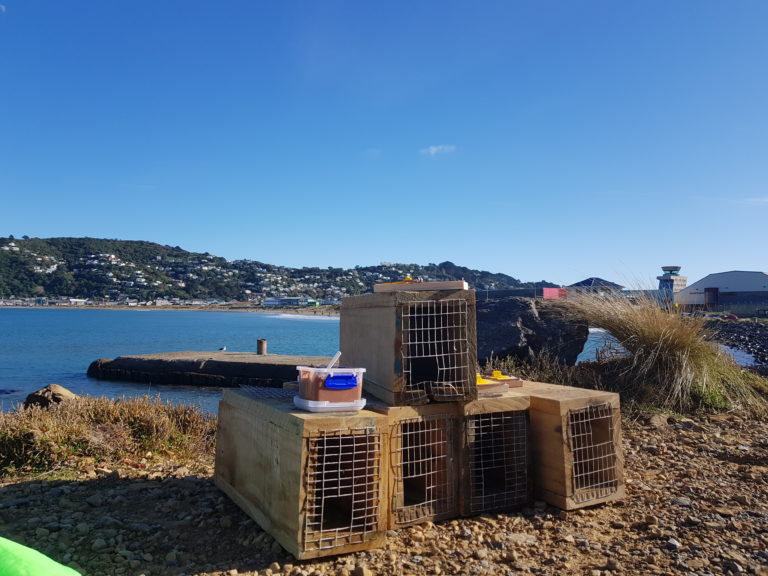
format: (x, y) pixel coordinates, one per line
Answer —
(107, 430)
(670, 360)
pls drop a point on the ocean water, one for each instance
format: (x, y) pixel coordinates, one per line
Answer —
(41, 346)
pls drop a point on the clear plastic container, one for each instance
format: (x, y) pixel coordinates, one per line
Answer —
(330, 384)
(321, 406)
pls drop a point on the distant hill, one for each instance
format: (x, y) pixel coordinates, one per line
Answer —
(111, 270)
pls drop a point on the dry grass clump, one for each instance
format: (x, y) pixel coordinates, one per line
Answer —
(38, 439)
(670, 361)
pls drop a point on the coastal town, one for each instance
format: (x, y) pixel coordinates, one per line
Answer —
(71, 272)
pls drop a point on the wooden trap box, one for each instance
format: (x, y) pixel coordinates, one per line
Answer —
(424, 456)
(315, 481)
(416, 346)
(496, 464)
(576, 444)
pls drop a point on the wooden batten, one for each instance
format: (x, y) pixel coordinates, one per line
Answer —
(269, 456)
(416, 347)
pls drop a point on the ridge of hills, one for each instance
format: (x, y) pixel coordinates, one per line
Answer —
(113, 270)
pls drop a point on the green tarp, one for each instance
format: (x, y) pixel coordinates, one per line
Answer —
(18, 560)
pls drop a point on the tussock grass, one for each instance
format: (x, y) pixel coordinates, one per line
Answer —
(108, 431)
(670, 361)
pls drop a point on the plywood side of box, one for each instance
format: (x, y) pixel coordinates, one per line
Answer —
(258, 464)
(551, 460)
(369, 339)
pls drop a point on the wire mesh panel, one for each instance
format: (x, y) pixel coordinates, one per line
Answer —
(497, 446)
(590, 432)
(435, 349)
(342, 488)
(424, 484)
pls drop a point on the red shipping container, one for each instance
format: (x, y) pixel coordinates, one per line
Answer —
(554, 293)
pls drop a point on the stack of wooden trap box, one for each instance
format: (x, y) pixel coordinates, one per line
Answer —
(315, 481)
(426, 448)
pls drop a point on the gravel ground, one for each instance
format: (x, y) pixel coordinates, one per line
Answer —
(697, 503)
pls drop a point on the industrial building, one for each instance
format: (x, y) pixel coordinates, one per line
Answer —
(740, 292)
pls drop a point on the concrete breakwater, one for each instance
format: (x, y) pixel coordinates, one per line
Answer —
(218, 369)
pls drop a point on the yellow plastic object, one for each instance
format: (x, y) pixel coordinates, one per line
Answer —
(480, 381)
(497, 375)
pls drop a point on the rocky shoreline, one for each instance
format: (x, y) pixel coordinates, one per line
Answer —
(697, 504)
(746, 335)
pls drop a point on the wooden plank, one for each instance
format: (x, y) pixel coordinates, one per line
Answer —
(502, 403)
(420, 286)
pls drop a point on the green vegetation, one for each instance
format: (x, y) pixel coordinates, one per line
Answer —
(105, 431)
(111, 270)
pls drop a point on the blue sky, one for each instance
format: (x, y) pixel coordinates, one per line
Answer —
(548, 140)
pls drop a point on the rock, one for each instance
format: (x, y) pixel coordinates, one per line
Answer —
(98, 544)
(673, 544)
(96, 500)
(682, 501)
(51, 394)
(659, 421)
(524, 328)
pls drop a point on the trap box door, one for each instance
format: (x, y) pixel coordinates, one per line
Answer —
(315, 482)
(496, 459)
(576, 445)
(416, 347)
(424, 461)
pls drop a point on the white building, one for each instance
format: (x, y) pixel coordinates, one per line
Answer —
(737, 291)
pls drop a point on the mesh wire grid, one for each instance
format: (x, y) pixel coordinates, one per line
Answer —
(593, 449)
(421, 458)
(435, 349)
(342, 481)
(498, 460)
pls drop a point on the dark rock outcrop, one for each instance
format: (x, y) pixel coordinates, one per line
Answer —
(51, 394)
(524, 327)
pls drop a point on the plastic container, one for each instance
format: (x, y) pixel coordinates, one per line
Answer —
(330, 384)
(321, 406)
